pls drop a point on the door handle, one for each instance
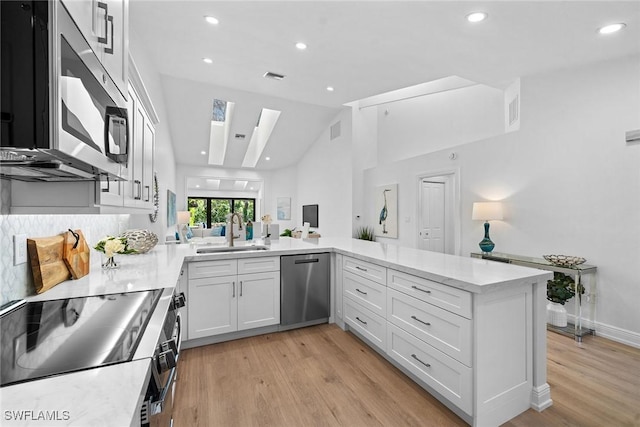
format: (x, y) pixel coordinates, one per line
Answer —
(421, 321)
(363, 293)
(418, 289)
(240, 287)
(109, 50)
(418, 359)
(233, 284)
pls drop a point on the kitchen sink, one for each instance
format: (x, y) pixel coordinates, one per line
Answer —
(223, 249)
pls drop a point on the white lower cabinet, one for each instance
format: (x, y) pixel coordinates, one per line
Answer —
(221, 303)
(472, 351)
(444, 374)
(368, 324)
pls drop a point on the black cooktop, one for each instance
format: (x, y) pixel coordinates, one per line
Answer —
(45, 338)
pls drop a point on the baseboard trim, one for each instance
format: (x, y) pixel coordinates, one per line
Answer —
(541, 397)
(613, 333)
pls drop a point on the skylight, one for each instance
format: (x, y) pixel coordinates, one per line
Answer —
(219, 135)
(266, 122)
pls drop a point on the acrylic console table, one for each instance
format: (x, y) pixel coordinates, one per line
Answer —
(577, 272)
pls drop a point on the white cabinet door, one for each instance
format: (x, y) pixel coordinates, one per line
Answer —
(258, 300)
(213, 306)
(105, 26)
(115, 52)
(137, 191)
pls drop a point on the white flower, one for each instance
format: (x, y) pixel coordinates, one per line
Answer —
(113, 246)
(266, 219)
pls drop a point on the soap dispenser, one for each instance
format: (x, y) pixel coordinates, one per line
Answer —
(249, 229)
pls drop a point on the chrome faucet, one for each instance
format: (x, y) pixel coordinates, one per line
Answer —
(231, 227)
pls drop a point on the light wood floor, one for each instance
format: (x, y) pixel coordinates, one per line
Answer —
(323, 376)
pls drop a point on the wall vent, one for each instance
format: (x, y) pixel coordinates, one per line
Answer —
(335, 130)
(514, 113)
(274, 76)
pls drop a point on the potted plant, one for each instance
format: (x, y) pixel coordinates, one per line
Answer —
(559, 290)
(365, 233)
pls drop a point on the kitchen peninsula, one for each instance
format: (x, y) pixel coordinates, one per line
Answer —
(500, 355)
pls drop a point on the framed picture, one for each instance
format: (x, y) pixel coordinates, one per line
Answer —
(284, 207)
(171, 208)
(386, 205)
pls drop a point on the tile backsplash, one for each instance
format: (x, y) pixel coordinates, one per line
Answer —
(17, 280)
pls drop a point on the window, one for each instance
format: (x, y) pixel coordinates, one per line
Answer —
(212, 210)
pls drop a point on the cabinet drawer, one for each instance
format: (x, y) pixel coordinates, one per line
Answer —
(444, 330)
(370, 294)
(368, 324)
(451, 299)
(366, 269)
(447, 376)
(226, 267)
(258, 265)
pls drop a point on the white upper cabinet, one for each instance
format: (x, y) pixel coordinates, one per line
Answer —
(105, 26)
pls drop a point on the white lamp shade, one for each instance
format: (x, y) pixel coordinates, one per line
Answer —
(184, 217)
(486, 211)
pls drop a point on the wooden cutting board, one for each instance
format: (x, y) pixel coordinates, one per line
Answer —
(45, 257)
(76, 254)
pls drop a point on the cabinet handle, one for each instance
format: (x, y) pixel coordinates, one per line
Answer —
(423, 290)
(234, 289)
(106, 190)
(363, 293)
(148, 193)
(360, 268)
(138, 185)
(425, 364)
(101, 5)
(360, 320)
(421, 321)
(240, 287)
(109, 50)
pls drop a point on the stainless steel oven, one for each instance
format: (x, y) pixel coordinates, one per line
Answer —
(157, 408)
(63, 117)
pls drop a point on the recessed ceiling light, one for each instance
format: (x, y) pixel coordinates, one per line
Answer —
(197, 185)
(267, 158)
(250, 188)
(330, 88)
(203, 152)
(208, 60)
(477, 16)
(613, 28)
(301, 46)
(211, 20)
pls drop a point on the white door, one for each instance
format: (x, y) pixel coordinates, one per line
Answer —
(431, 225)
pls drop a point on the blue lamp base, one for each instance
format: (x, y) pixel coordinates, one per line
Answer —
(486, 245)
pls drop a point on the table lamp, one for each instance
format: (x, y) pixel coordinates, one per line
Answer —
(184, 218)
(486, 211)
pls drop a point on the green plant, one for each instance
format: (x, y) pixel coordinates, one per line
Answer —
(562, 288)
(286, 233)
(365, 233)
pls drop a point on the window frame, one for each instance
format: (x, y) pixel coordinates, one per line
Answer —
(232, 200)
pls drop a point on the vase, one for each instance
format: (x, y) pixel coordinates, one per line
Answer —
(109, 263)
(486, 245)
(556, 314)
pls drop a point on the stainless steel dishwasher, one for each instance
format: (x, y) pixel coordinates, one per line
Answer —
(304, 290)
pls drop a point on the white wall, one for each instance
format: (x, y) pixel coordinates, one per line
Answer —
(324, 178)
(164, 162)
(438, 120)
(284, 183)
(569, 182)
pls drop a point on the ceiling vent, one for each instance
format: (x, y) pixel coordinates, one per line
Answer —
(274, 76)
(335, 130)
(240, 136)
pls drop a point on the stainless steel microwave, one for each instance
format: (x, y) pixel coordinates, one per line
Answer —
(63, 117)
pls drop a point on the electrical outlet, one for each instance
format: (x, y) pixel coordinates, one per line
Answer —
(19, 249)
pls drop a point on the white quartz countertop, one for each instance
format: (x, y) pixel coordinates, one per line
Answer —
(111, 395)
(470, 274)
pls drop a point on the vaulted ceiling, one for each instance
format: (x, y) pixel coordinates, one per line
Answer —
(360, 48)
